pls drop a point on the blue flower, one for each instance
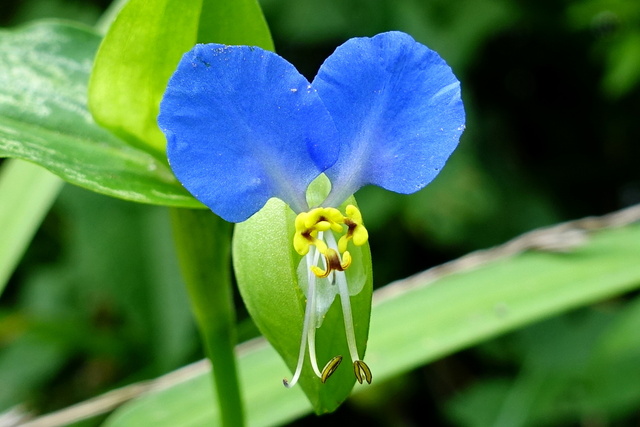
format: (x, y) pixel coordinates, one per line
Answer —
(243, 126)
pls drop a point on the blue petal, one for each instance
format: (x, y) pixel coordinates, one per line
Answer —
(242, 126)
(397, 107)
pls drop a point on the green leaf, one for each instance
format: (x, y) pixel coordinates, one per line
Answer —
(266, 268)
(623, 337)
(623, 64)
(435, 318)
(188, 403)
(142, 48)
(587, 360)
(27, 192)
(44, 69)
(28, 364)
(134, 63)
(238, 22)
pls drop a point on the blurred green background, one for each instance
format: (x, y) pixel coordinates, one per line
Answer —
(552, 95)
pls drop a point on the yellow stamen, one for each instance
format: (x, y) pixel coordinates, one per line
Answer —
(320, 227)
(309, 224)
(320, 273)
(346, 261)
(332, 262)
(356, 230)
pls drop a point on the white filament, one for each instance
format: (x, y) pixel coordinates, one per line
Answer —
(345, 302)
(309, 322)
(312, 259)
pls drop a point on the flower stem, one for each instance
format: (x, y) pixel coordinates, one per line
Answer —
(203, 244)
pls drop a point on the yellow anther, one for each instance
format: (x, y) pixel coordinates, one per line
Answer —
(302, 243)
(320, 273)
(308, 224)
(302, 240)
(356, 230)
(354, 213)
(346, 260)
(322, 219)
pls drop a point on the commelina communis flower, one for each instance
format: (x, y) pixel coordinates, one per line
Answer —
(243, 126)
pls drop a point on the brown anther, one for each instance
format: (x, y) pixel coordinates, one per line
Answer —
(359, 369)
(333, 262)
(349, 223)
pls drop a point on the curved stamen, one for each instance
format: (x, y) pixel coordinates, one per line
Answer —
(332, 262)
(307, 326)
(314, 236)
(356, 230)
(360, 369)
(341, 281)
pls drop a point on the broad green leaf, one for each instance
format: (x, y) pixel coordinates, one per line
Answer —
(142, 49)
(109, 15)
(415, 322)
(26, 194)
(188, 403)
(44, 69)
(266, 268)
(134, 63)
(235, 22)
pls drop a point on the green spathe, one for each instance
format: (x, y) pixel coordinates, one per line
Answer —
(266, 270)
